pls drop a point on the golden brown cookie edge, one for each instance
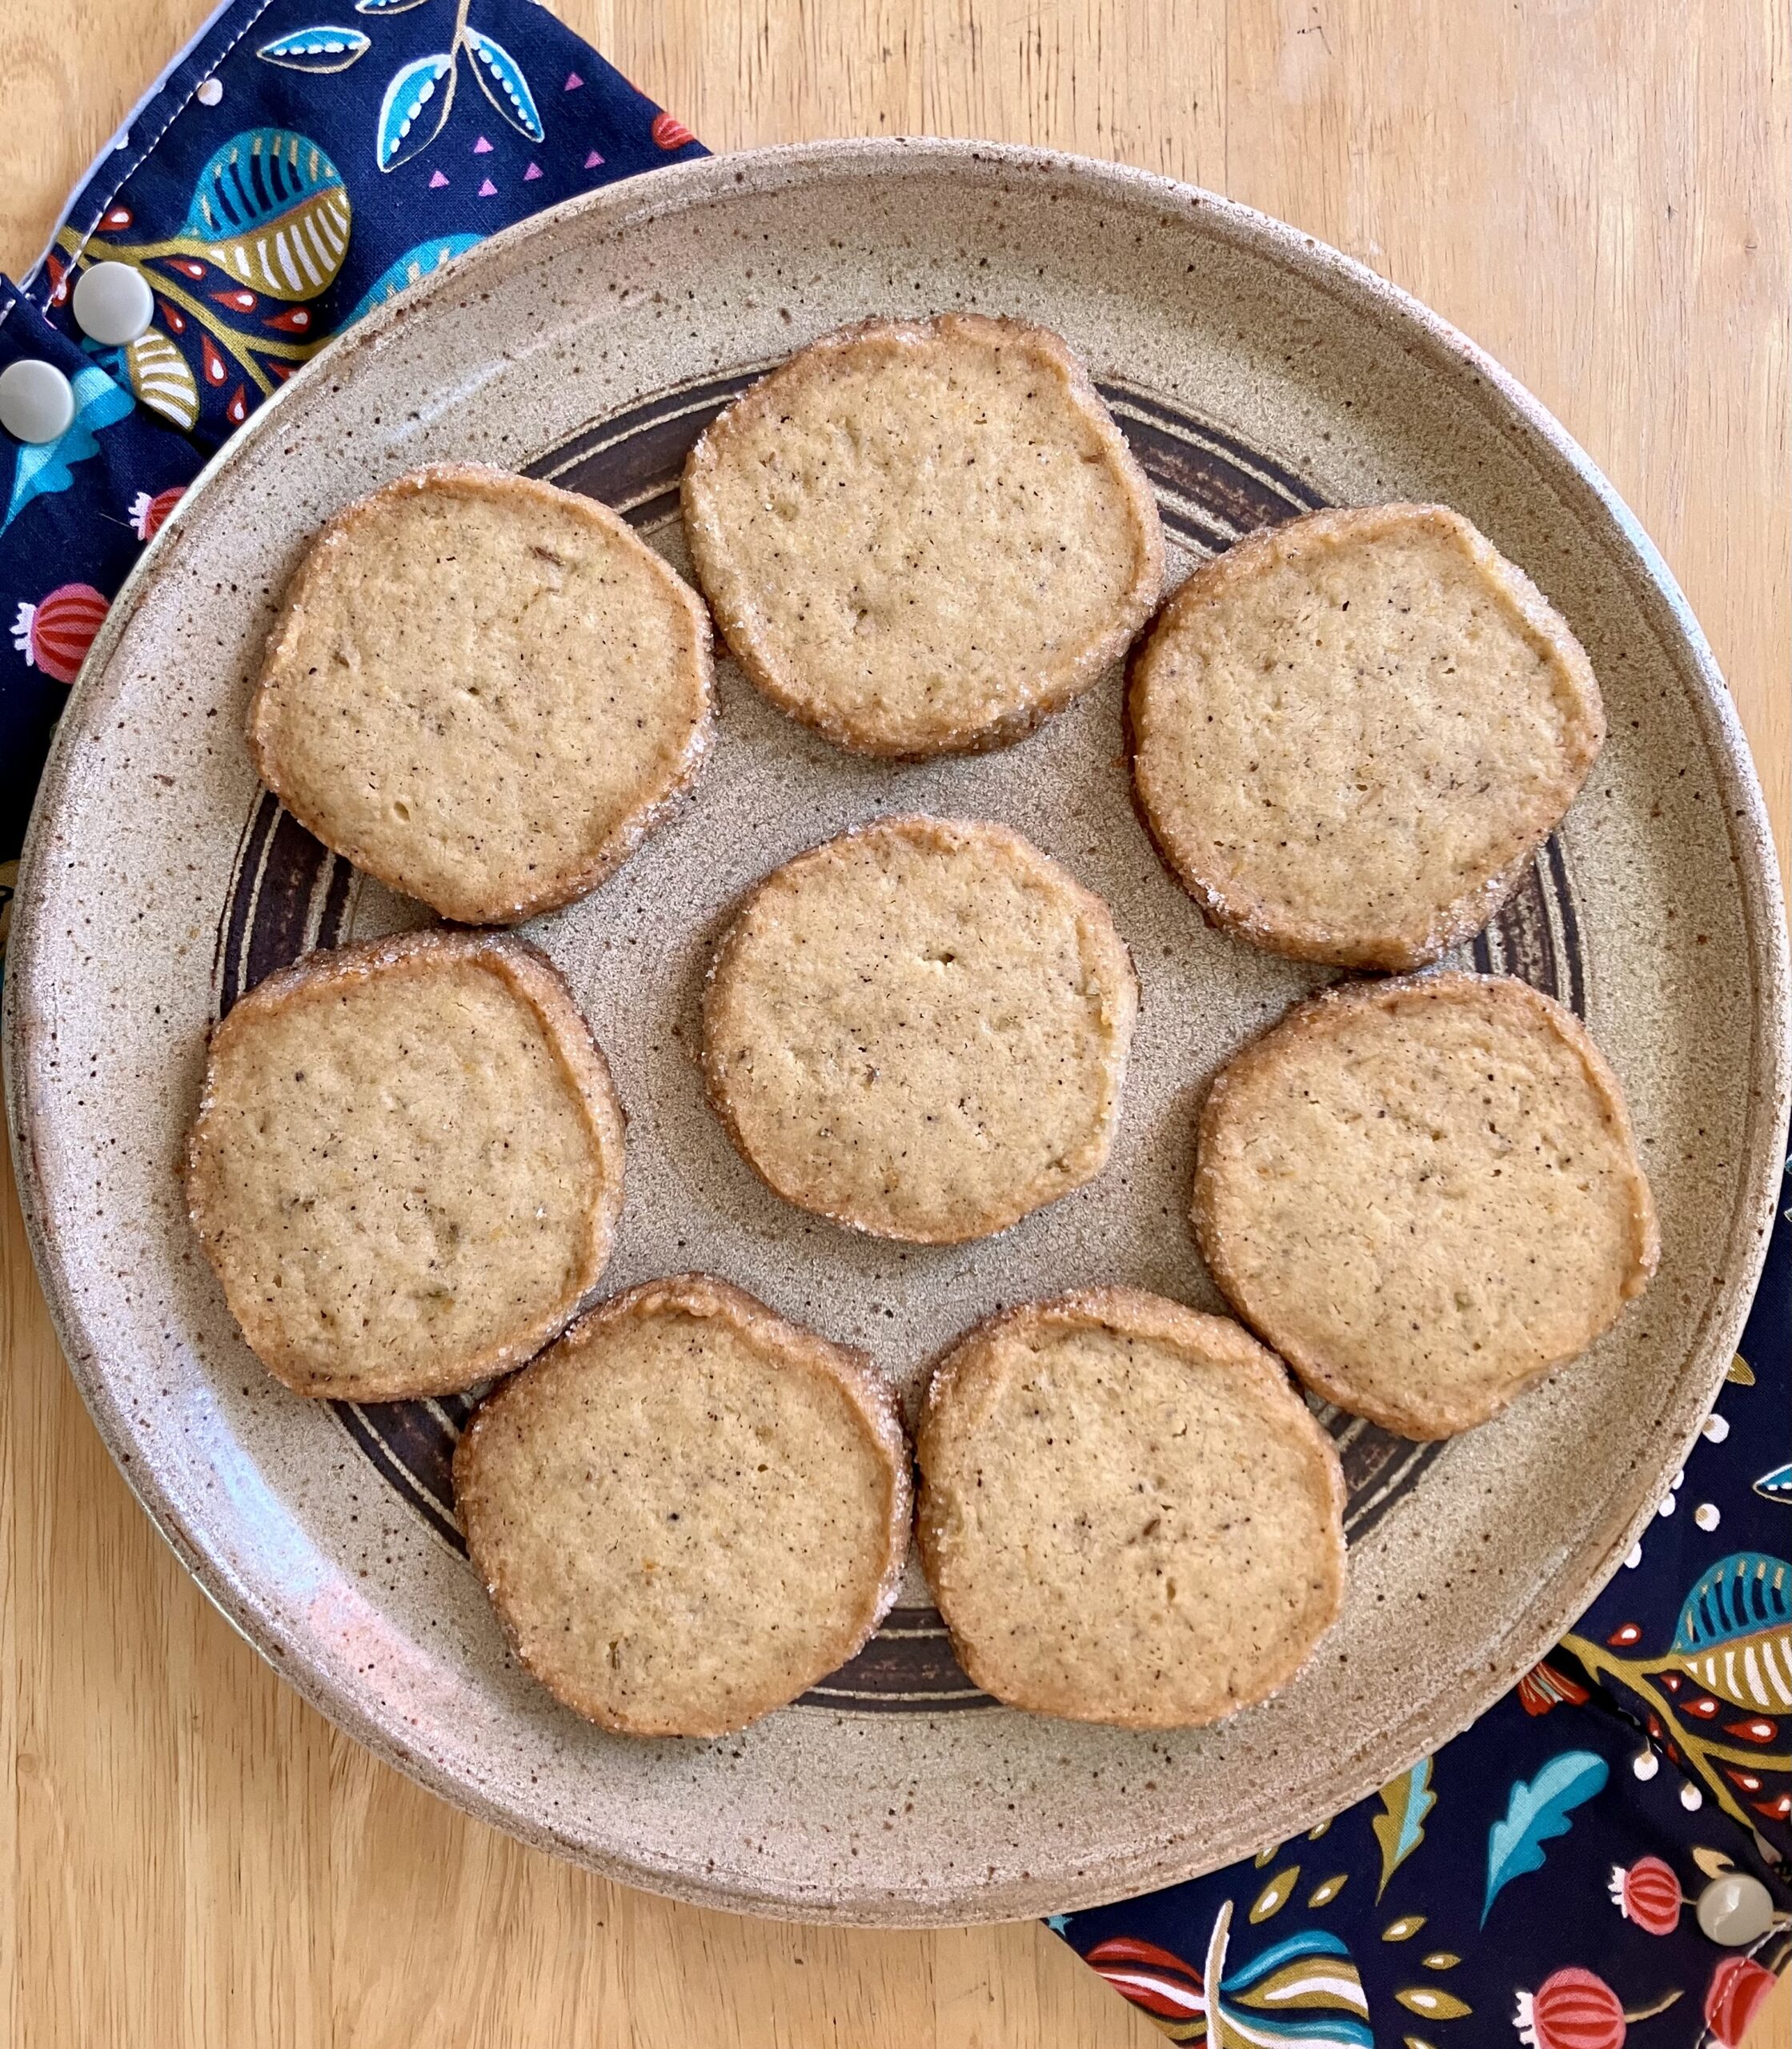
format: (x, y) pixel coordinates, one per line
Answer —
(1319, 1013)
(532, 977)
(1269, 925)
(724, 587)
(769, 1334)
(1216, 1340)
(469, 906)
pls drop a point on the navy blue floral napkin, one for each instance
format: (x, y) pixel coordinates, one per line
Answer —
(303, 161)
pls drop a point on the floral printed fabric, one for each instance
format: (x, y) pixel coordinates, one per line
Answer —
(295, 167)
(1534, 1883)
(301, 162)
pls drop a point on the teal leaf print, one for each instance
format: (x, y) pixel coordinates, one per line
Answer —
(1735, 1634)
(42, 470)
(269, 208)
(320, 49)
(1303, 1989)
(406, 125)
(413, 265)
(1536, 1813)
(1401, 1829)
(501, 78)
(1304, 1992)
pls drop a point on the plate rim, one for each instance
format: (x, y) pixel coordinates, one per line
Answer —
(692, 185)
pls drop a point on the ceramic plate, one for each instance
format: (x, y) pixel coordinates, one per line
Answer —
(1257, 374)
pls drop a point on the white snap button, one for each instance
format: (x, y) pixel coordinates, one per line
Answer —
(1735, 1910)
(112, 303)
(37, 401)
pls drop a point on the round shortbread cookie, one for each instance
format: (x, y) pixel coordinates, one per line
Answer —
(920, 1029)
(481, 690)
(1127, 1514)
(1350, 734)
(1425, 1194)
(406, 1166)
(687, 1511)
(923, 536)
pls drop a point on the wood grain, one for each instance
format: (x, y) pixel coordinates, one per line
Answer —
(1597, 192)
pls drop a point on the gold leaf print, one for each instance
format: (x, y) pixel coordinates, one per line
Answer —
(1712, 1863)
(1433, 2002)
(1403, 1930)
(1442, 1960)
(1741, 1371)
(1274, 1896)
(1263, 1856)
(1313, 1834)
(1321, 1895)
(1415, 2042)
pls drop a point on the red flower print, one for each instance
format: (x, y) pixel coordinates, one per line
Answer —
(1571, 2009)
(1647, 1893)
(147, 513)
(1739, 1984)
(54, 634)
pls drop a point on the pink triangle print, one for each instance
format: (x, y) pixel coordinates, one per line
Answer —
(482, 148)
(533, 171)
(573, 82)
(593, 161)
(487, 189)
(436, 181)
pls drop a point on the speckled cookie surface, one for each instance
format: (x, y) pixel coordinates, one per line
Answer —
(922, 536)
(1128, 1514)
(406, 1166)
(1352, 732)
(688, 1510)
(921, 1029)
(1425, 1194)
(481, 690)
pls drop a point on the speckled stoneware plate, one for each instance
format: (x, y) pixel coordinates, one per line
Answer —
(1257, 374)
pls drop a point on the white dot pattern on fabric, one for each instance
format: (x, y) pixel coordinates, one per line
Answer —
(37, 401)
(1665, 1507)
(1706, 1515)
(1633, 1557)
(1735, 1910)
(1716, 1429)
(1646, 1764)
(1691, 1798)
(112, 304)
(209, 92)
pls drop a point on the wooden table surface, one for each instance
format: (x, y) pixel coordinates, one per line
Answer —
(1596, 191)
